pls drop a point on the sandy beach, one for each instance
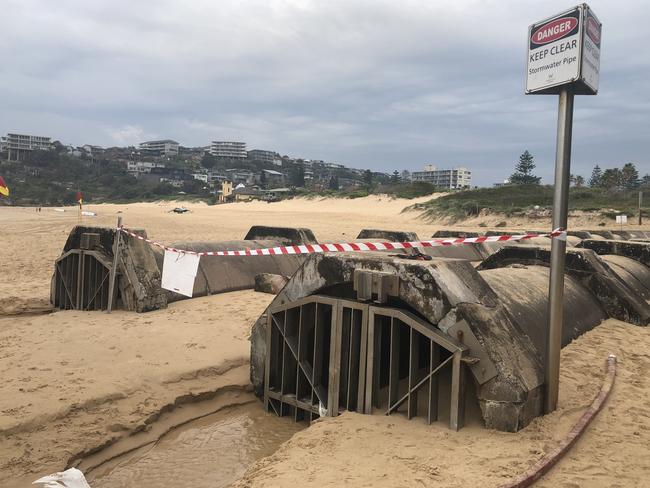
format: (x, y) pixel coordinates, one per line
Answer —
(75, 381)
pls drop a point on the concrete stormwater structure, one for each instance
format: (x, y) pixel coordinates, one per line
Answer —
(80, 279)
(419, 332)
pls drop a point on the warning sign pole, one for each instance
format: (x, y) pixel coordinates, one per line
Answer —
(558, 246)
(564, 60)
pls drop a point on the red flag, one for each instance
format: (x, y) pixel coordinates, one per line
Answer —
(79, 198)
(4, 189)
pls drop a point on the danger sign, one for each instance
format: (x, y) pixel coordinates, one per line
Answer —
(564, 49)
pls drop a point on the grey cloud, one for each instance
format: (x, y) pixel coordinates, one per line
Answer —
(381, 84)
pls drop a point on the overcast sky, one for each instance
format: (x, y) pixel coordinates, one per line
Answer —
(368, 83)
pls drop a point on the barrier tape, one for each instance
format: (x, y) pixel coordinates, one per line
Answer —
(351, 246)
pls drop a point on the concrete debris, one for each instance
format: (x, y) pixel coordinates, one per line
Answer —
(270, 283)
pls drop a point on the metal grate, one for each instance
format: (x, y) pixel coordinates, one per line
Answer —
(81, 281)
(363, 356)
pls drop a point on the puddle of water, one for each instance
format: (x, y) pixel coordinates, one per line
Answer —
(211, 452)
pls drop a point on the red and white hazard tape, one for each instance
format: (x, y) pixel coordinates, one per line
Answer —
(352, 246)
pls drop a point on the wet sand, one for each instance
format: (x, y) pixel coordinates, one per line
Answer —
(212, 452)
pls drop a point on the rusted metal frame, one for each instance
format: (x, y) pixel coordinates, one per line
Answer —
(317, 389)
(291, 400)
(113, 272)
(64, 292)
(457, 408)
(344, 337)
(90, 275)
(65, 279)
(357, 341)
(353, 362)
(317, 361)
(414, 360)
(267, 360)
(71, 270)
(103, 290)
(335, 362)
(393, 375)
(92, 267)
(80, 280)
(419, 385)
(437, 338)
(273, 345)
(434, 361)
(62, 278)
(363, 360)
(285, 376)
(299, 369)
(294, 350)
(304, 301)
(99, 288)
(426, 330)
(372, 363)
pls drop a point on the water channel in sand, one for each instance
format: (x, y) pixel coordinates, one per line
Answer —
(211, 452)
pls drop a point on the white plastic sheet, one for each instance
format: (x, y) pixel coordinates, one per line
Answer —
(179, 272)
(71, 478)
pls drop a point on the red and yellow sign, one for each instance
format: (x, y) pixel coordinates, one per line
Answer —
(4, 189)
(79, 198)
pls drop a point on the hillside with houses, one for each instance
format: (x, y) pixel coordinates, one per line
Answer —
(45, 172)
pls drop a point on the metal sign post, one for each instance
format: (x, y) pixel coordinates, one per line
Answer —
(563, 59)
(558, 247)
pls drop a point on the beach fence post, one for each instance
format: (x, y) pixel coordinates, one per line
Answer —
(640, 205)
(116, 252)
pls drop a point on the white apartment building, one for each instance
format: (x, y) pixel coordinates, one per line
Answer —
(165, 147)
(228, 149)
(138, 167)
(453, 179)
(19, 144)
(262, 155)
(201, 177)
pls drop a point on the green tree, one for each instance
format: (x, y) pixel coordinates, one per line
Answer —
(629, 176)
(577, 180)
(523, 174)
(611, 179)
(192, 186)
(298, 177)
(395, 177)
(367, 177)
(208, 161)
(645, 181)
(596, 177)
(334, 183)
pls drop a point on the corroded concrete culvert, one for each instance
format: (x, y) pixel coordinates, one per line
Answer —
(80, 279)
(524, 292)
(494, 316)
(217, 274)
(445, 292)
